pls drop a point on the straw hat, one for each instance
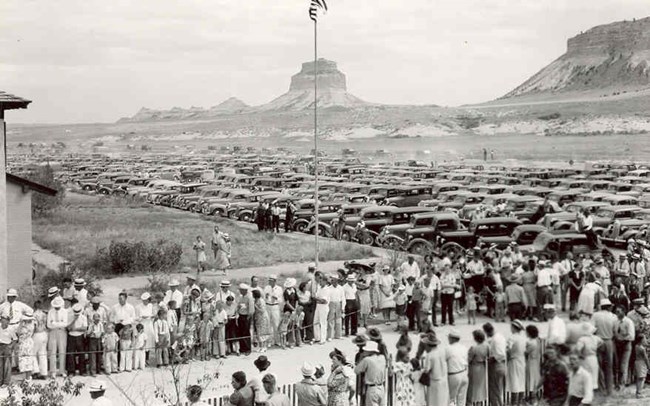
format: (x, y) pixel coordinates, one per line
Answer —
(97, 386)
(145, 296)
(307, 370)
(57, 302)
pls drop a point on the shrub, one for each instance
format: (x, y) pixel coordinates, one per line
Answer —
(30, 293)
(42, 204)
(50, 393)
(123, 257)
(552, 116)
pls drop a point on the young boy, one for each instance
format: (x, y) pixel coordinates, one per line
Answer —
(219, 320)
(500, 305)
(172, 322)
(400, 305)
(205, 337)
(95, 335)
(139, 345)
(284, 328)
(109, 342)
(415, 322)
(162, 335)
(231, 326)
(7, 340)
(471, 305)
(126, 348)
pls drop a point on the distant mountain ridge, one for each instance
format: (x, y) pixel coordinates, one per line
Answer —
(614, 56)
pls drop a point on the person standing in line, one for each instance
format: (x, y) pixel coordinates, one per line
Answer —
(40, 341)
(176, 295)
(409, 268)
(385, 284)
(336, 306)
(275, 398)
(275, 217)
(516, 363)
(8, 340)
(95, 334)
(566, 266)
(162, 338)
(246, 310)
(556, 326)
(457, 362)
(576, 279)
(544, 286)
(449, 286)
(307, 392)
(26, 346)
(268, 217)
(496, 365)
(373, 367)
(605, 322)
(624, 335)
(351, 306)
(555, 379)
(75, 343)
(57, 322)
(434, 365)
(273, 296)
(322, 309)
(516, 298)
(580, 389)
(261, 320)
(533, 354)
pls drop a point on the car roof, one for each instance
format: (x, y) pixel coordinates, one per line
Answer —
(620, 208)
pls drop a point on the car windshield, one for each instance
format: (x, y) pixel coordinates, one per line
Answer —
(643, 216)
(511, 205)
(543, 239)
(460, 199)
(573, 208)
(608, 214)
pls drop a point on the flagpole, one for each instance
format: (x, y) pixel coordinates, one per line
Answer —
(316, 140)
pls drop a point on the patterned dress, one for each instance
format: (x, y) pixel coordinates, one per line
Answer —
(363, 292)
(26, 347)
(262, 322)
(337, 388)
(404, 388)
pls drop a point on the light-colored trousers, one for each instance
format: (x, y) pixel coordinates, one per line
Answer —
(458, 388)
(56, 345)
(40, 353)
(334, 321)
(110, 361)
(139, 359)
(320, 322)
(126, 356)
(274, 320)
(219, 341)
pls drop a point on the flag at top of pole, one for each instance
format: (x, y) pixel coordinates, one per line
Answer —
(314, 6)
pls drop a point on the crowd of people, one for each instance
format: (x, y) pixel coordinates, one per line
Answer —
(607, 335)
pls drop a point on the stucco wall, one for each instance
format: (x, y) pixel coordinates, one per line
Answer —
(19, 230)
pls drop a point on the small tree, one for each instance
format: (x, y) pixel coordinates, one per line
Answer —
(42, 204)
(50, 393)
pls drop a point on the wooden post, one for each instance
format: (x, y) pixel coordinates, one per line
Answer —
(4, 272)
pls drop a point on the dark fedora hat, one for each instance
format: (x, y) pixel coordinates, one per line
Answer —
(262, 362)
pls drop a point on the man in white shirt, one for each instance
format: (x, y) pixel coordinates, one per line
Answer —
(496, 364)
(409, 268)
(457, 362)
(14, 309)
(556, 326)
(122, 314)
(432, 293)
(476, 270)
(351, 306)
(80, 292)
(544, 285)
(336, 305)
(273, 298)
(58, 319)
(224, 293)
(322, 297)
(190, 285)
(176, 295)
(75, 346)
(581, 391)
(565, 267)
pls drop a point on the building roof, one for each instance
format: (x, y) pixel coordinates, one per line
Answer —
(11, 102)
(37, 187)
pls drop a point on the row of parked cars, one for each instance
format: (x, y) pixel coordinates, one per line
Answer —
(409, 207)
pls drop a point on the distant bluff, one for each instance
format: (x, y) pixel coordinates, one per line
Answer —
(614, 56)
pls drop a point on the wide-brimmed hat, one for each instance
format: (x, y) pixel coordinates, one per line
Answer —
(359, 339)
(307, 370)
(518, 324)
(77, 308)
(262, 362)
(374, 334)
(289, 283)
(12, 293)
(53, 291)
(243, 286)
(57, 302)
(516, 279)
(454, 334)
(97, 386)
(79, 282)
(173, 282)
(145, 296)
(225, 283)
(28, 315)
(605, 302)
(207, 295)
(273, 276)
(95, 300)
(430, 339)
(549, 306)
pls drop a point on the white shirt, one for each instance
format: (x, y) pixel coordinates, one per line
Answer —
(567, 266)
(456, 358)
(273, 295)
(476, 267)
(588, 223)
(82, 296)
(322, 293)
(544, 277)
(14, 310)
(79, 325)
(123, 314)
(506, 261)
(175, 295)
(433, 285)
(58, 318)
(337, 294)
(222, 296)
(556, 331)
(407, 270)
(350, 291)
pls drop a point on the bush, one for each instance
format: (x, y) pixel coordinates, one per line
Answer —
(50, 393)
(552, 116)
(55, 278)
(42, 204)
(122, 257)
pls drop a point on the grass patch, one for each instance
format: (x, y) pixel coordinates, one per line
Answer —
(85, 224)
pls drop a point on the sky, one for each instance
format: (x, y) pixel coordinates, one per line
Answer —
(83, 61)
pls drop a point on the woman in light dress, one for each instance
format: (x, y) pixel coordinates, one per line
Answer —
(516, 364)
(589, 296)
(222, 249)
(144, 313)
(385, 284)
(26, 345)
(434, 363)
(365, 304)
(477, 361)
(529, 281)
(587, 347)
(261, 321)
(404, 387)
(533, 361)
(201, 258)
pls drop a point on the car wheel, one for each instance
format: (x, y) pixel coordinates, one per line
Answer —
(345, 236)
(232, 215)
(392, 244)
(322, 232)
(301, 227)
(86, 188)
(368, 240)
(419, 248)
(245, 217)
(452, 249)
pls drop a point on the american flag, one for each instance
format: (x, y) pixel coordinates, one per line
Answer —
(314, 6)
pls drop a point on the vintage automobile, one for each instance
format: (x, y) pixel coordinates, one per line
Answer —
(404, 196)
(169, 198)
(453, 243)
(524, 234)
(556, 246)
(617, 234)
(394, 236)
(350, 211)
(124, 188)
(219, 207)
(190, 201)
(377, 217)
(305, 210)
(563, 197)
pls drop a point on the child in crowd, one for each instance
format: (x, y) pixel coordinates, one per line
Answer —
(95, 336)
(404, 342)
(500, 305)
(172, 322)
(400, 305)
(284, 328)
(472, 299)
(139, 345)
(231, 326)
(126, 348)
(162, 334)
(416, 302)
(641, 363)
(204, 341)
(295, 326)
(219, 320)
(184, 345)
(109, 342)
(7, 340)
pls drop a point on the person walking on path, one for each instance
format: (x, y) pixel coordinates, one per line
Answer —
(201, 258)
(457, 362)
(496, 365)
